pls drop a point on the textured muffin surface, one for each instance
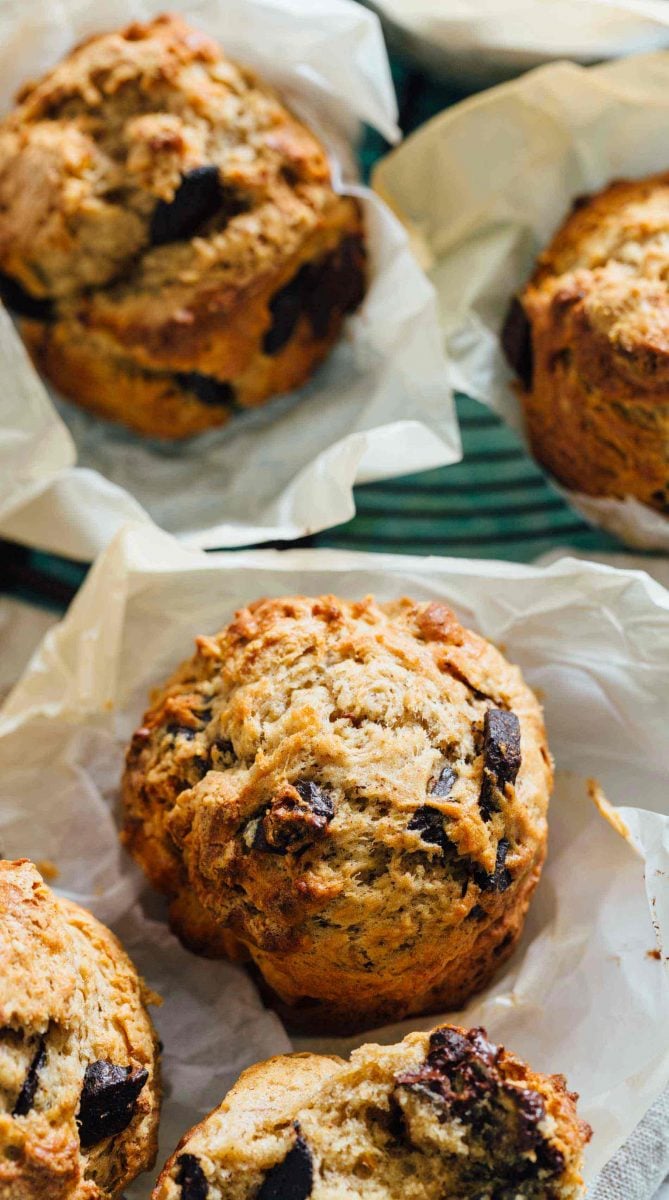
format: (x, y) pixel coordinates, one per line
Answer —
(446, 1114)
(354, 794)
(79, 1090)
(589, 339)
(170, 233)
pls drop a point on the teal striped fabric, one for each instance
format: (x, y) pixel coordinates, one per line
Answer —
(496, 503)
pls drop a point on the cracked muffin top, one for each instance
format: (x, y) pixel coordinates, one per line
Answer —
(141, 139)
(353, 790)
(441, 1115)
(79, 1093)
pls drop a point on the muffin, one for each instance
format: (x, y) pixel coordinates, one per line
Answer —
(445, 1114)
(169, 232)
(352, 794)
(79, 1088)
(588, 338)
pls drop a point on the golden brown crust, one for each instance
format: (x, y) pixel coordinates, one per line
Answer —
(311, 789)
(596, 386)
(371, 1127)
(69, 997)
(179, 220)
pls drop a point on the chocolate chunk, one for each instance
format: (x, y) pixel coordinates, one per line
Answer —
(16, 298)
(501, 878)
(335, 285)
(459, 1071)
(297, 817)
(531, 1110)
(550, 1158)
(476, 913)
(501, 756)
(199, 196)
(291, 1179)
(191, 1178)
(108, 1097)
(444, 783)
(429, 823)
(517, 343)
(26, 1097)
(285, 308)
(207, 389)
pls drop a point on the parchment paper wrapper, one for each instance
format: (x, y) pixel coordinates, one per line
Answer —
(583, 993)
(483, 187)
(380, 406)
(481, 42)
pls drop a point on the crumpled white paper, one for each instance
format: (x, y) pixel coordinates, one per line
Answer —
(481, 42)
(380, 406)
(581, 995)
(485, 184)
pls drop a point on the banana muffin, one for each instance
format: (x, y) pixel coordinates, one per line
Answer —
(79, 1088)
(588, 338)
(169, 232)
(445, 1114)
(354, 795)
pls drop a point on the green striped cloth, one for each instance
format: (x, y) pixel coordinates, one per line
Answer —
(496, 503)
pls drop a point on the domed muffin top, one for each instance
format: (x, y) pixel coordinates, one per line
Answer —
(341, 765)
(79, 1093)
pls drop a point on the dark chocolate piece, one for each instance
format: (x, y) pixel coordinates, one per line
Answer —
(460, 1069)
(191, 1178)
(291, 824)
(199, 196)
(516, 341)
(501, 756)
(501, 878)
(531, 1110)
(26, 1097)
(335, 285)
(291, 1179)
(550, 1158)
(15, 297)
(207, 389)
(108, 1098)
(429, 823)
(444, 783)
(285, 308)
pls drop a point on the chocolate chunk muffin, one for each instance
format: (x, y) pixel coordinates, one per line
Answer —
(445, 1114)
(588, 338)
(79, 1089)
(169, 232)
(354, 795)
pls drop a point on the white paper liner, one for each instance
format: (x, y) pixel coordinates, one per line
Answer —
(582, 994)
(380, 406)
(481, 42)
(484, 185)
